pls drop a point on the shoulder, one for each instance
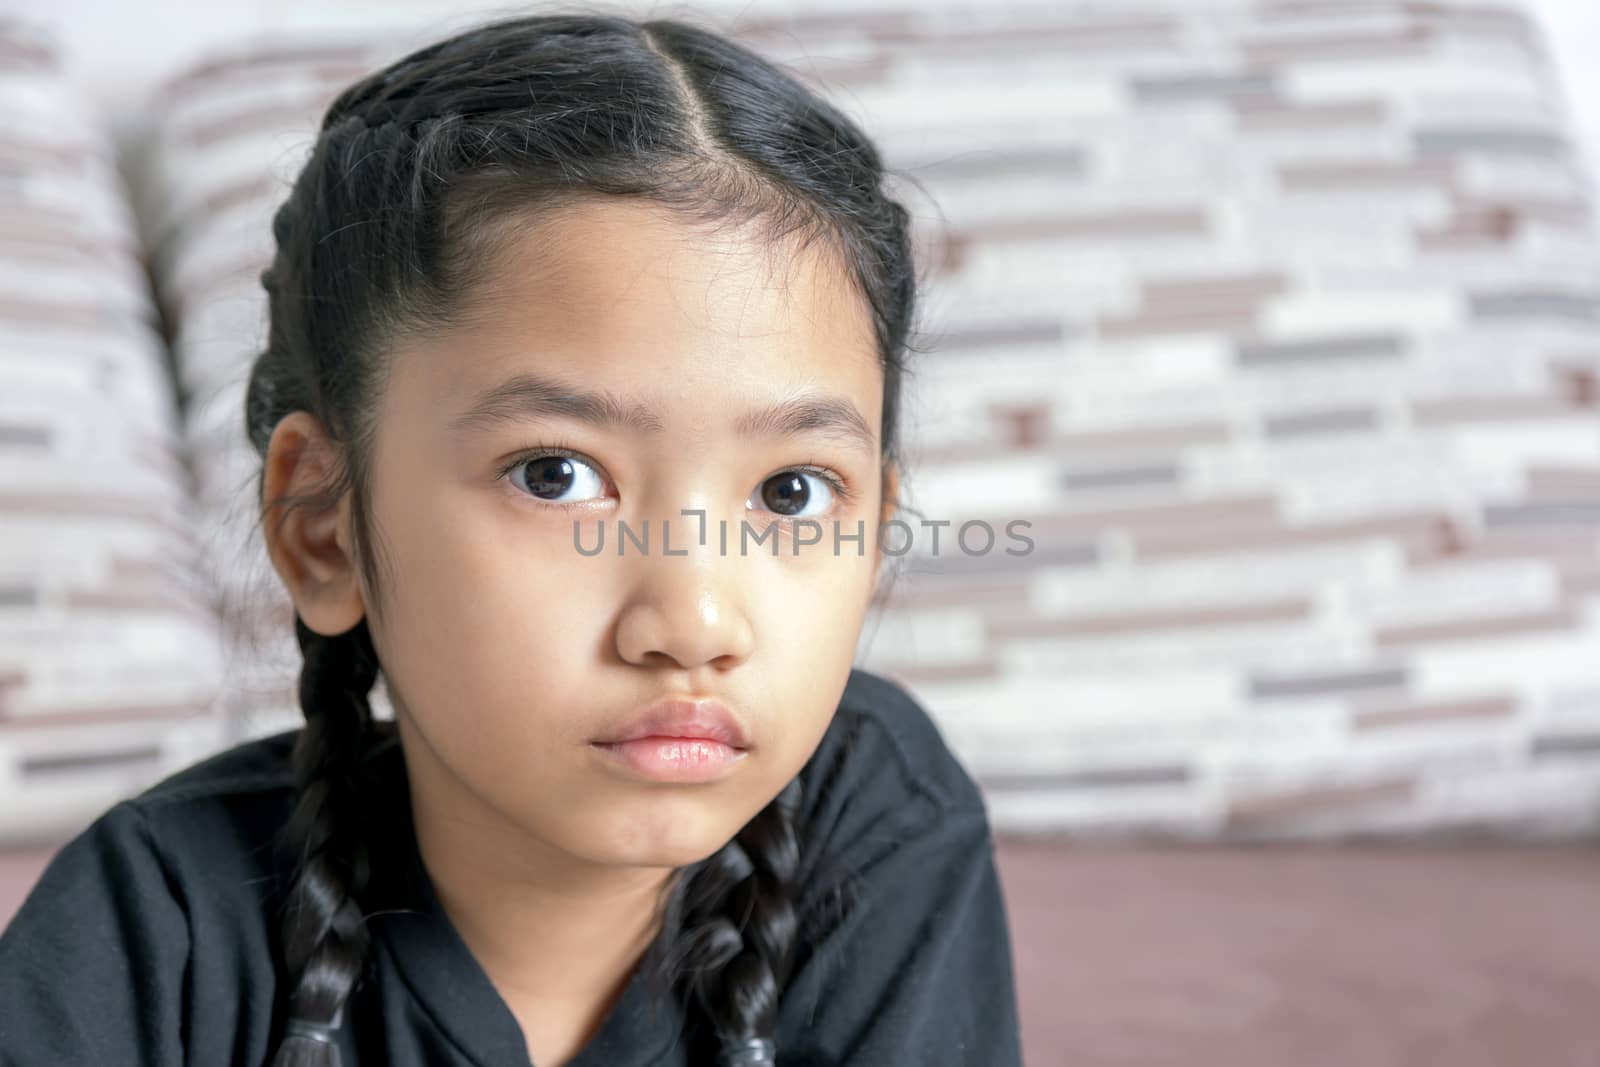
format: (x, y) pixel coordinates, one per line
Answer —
(237, 796)
(881, 729)
(225, 811)
(900, 906)
(883, 773)
(259, 765)
(208, 826)
(176, 881)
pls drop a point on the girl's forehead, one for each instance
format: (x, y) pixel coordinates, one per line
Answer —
(625, 298)
(637, 259)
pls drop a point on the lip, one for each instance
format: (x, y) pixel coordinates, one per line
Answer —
(682, 718)
(674, 759)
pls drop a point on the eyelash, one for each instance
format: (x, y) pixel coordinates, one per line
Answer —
(842, 491)
(555, 447)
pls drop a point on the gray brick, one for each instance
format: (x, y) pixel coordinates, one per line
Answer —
(1346, 346)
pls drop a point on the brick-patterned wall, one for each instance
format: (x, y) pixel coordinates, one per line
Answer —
(1281, 325)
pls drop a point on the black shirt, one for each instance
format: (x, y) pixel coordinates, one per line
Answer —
(149, 938)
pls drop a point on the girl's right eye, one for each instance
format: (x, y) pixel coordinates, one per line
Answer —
(555, 476)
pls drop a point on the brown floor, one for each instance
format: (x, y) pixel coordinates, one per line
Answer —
(1356, 957)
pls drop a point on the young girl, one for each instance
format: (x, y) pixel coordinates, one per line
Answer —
(558, 282)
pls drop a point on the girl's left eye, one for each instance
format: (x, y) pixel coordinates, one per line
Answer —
(554, 477)
(789, 493)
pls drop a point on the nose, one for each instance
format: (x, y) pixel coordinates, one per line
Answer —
(685, 610)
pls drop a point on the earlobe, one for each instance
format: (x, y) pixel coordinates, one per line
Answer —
(307, 533)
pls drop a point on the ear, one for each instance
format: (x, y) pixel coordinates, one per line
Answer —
(891, 492)
(310, 543)
(888, 509)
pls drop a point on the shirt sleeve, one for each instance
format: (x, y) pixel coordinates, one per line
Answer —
(919, 972)
(92, 964)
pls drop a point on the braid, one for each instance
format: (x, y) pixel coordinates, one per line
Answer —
(323, 932)
(735, 924)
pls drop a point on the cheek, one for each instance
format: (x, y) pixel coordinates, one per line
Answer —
(489, 617)
(816, 595)
(808, 619)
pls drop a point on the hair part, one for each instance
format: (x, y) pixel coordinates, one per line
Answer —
(422, 174)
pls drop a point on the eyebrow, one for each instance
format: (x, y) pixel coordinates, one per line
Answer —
(532, 396)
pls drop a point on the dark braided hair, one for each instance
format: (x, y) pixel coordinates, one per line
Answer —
(419, 173)
(324, 933)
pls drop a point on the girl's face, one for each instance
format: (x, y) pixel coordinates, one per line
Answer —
(506, 651)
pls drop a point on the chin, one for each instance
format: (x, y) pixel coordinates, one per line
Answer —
(663, 839)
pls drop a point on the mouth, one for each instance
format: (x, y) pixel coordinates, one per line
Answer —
(673, 759)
